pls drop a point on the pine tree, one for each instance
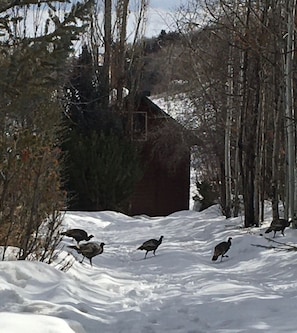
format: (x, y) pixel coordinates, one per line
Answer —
(102, 164)
(32, 63)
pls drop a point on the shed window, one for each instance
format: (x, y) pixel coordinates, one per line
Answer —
(139, 126)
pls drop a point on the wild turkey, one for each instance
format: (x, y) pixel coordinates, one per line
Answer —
(88, 250)
(150, 245)
(77, 234)
(278, 225)
(221, 249)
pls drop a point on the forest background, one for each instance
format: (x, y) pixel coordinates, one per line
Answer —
(232, 62)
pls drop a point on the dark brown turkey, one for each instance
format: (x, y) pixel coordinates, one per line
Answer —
(221, 249)
(278, 225)
(88, 250)
(150, 245)
(77, 234)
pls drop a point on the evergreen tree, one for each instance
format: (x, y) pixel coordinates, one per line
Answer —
(102, 164)
(32, 64)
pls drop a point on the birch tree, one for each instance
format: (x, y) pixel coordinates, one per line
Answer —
(289, 112)
(248, 123)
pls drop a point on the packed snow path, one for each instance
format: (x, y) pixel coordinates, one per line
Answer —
(180, 290)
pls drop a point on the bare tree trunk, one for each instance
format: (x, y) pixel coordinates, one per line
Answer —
(290, 125)
(238, 152)
(118, 73)
(246, 136)
(259, 146)
(274, 96)
(263, 116)
(228, 176)
(107, 51)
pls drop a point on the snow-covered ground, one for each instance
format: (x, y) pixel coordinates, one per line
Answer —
(180, 290)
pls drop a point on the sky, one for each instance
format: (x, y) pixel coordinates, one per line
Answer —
(165, 4)
(161, 16)
(179, 290)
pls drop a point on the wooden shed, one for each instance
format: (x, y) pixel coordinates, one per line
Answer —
(165, 185)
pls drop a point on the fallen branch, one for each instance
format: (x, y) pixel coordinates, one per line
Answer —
(293, 247)
(273, 247)
(288, 247)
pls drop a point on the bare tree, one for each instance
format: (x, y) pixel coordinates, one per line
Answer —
(291, 211)
(244, 98)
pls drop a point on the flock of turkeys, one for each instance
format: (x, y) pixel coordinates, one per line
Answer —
(92, 249)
